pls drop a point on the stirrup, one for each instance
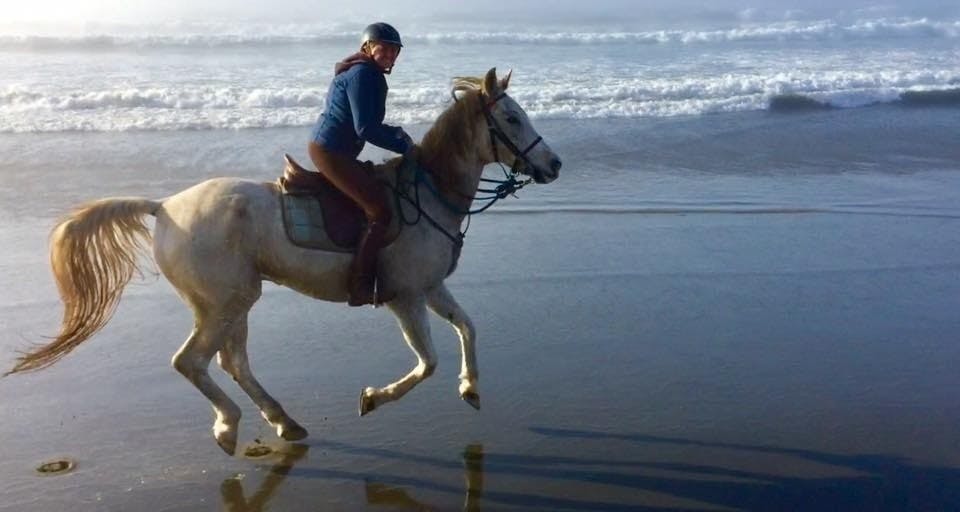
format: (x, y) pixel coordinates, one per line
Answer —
(355, 300)
(362, 290)
(375, 299)
(381, 297)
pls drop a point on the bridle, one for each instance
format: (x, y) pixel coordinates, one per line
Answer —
(503, 188)
(497, 133)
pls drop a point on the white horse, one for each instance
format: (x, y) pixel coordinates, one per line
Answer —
(217, 241)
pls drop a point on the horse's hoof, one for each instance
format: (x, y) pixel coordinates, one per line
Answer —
(292, 432)
(366, 403)
(226, 436)
(228, 444)
(472, 398)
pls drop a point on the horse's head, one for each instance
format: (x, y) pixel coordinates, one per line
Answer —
(513, 140)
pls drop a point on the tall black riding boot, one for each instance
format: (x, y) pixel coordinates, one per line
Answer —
(363, 271)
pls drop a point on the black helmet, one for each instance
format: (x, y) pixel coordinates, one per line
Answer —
(382, 32)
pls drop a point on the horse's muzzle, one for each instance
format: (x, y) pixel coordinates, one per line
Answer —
(547, 175)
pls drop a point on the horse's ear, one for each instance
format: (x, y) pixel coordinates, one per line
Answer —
(490, 86)
(505, 81)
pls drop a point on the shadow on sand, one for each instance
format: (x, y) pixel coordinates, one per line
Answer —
(397, 491)
(888, 483)
(885, 483)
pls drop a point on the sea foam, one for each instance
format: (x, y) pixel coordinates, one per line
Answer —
(226, 76)
(158, 109)
(265, 36)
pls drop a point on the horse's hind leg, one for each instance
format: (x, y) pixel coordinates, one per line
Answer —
(444, 305)
(233, 359)
(411, 313)
(192, 361)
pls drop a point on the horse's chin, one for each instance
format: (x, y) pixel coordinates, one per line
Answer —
(540, 176)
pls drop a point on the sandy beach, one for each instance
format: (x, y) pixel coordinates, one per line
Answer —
(741, 293)
(650, 338)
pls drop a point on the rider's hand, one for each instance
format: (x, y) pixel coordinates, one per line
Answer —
(411, 146)
(406, 138)
(411, 152)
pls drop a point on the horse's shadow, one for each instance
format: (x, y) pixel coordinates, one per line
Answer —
(380, 493)
(882, 482)
(399, 490)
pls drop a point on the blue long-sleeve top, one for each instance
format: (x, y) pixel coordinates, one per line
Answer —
(353, 113)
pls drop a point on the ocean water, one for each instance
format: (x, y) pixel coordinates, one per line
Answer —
(208, 76)
(741, 293)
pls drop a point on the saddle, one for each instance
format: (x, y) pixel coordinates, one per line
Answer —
(317, 215)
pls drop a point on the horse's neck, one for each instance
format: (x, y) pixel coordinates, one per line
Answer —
(457, 182)
(450, 153)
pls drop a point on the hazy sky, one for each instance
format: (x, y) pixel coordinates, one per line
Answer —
(320, 10)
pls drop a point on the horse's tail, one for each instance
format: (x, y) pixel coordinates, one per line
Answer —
(93, 254)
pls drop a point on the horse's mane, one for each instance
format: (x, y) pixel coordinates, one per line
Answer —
(453, 135)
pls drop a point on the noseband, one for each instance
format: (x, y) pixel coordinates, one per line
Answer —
(496, 132)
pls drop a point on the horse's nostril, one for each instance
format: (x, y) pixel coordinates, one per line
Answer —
(555, 164)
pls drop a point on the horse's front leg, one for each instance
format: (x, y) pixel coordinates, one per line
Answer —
(411, 313)
(444, 305)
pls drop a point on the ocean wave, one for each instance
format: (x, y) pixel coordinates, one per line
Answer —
(912, 98)
(234, 107)
(193, 98)
(796, 103)
(165, 41)
(934, 98)
(227, 36)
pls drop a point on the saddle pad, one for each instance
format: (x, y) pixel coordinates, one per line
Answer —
(303, 222)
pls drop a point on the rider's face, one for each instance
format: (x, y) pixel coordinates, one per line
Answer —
(384, 54)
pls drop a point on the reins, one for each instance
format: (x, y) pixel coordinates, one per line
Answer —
(505, 187)
(401, 192)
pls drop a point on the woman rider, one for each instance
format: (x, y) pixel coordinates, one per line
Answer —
(353, 115)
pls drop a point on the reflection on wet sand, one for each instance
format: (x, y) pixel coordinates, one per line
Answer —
(837, 481)
(391, 489)
(705, 482)
(231, 489)
(377, 493)
(392, 496)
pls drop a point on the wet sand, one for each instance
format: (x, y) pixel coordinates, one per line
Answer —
(629, 360)
(818, 386)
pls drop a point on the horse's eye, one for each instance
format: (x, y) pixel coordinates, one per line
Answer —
(513, 120)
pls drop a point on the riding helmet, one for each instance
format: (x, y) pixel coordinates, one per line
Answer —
(382, 32)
